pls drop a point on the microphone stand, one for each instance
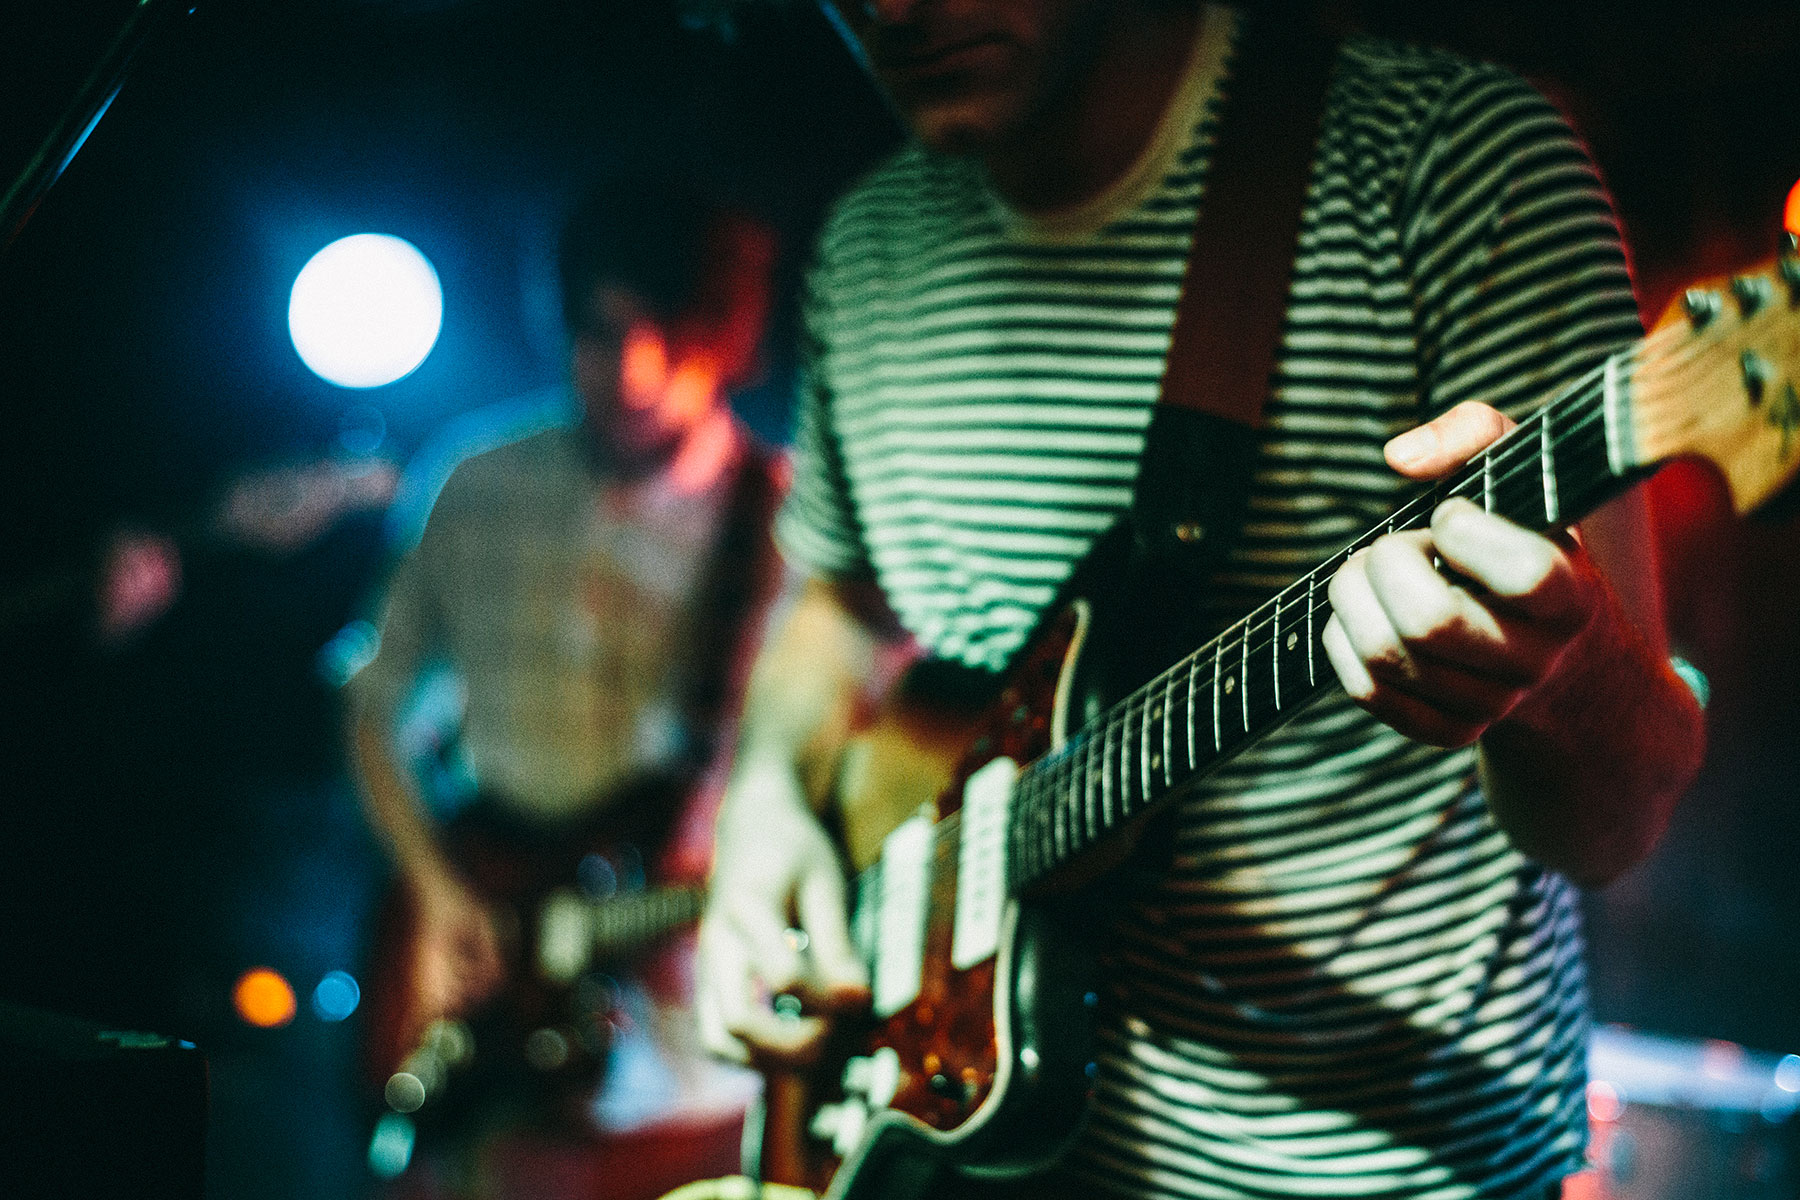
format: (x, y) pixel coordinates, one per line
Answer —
(65, 138)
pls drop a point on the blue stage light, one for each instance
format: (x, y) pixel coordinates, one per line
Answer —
(365, 310)
(336, 997)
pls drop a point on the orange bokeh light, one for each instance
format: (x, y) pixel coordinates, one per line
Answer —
(263, 998)
(1792, 218)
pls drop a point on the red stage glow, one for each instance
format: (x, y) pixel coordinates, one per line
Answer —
(1792, 218)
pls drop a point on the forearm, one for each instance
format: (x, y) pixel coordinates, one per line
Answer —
(1585, 772)
(804, 694)
(393, 805)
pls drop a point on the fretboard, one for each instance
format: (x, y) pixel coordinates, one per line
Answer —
(1553, 469)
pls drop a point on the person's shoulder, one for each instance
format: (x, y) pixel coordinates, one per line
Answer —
(1378, 62)
(1397, 100)
(493, 452)
(888, 203)
(533, 462)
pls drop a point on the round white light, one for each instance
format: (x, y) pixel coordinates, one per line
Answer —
(365, 310)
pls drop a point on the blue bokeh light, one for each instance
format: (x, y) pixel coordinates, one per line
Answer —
(365, 310)
(337, 996)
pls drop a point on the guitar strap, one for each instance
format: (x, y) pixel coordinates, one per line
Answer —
(1199, 451)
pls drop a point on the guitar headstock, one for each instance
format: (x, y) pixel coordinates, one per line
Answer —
(1719, 379)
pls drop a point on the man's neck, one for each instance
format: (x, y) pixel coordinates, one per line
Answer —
(1090, 136)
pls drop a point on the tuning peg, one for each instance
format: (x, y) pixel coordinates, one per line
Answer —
(1701, 306)
(1752, 293)
(1757, 373)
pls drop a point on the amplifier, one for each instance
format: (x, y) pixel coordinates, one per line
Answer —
(1681, 1119)
(91, 1113)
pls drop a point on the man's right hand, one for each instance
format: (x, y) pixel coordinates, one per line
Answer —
(775, 925)
(454, 961)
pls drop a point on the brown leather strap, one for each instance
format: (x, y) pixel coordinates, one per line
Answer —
(1234, 292)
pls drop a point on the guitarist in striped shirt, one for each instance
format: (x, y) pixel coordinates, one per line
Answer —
(1361, 973)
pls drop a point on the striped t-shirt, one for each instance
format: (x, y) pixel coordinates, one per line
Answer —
(1349, 983)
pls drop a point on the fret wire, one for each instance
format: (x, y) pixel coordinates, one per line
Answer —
(1077, 772)
(1168, 728)
(1100, 762)
(1218, 740)
(1126, 754)
(1487, 481)
(1275, 659)
(1244, 674)
(1550, 506)
(1143, 756)
(1035, 838)
(1060, 821)
(1312, 677)
(1193, 726)
(1096, 761)
(1018, 825)
(1612, 417)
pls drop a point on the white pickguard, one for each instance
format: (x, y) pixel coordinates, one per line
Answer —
(981, 863)
(900, 924)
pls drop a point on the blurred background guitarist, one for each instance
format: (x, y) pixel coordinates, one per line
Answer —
(588, 583)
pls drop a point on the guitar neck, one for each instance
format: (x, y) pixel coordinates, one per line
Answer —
(625, 923)
(1553, 469)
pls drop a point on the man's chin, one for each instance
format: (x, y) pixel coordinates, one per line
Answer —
(963, 126)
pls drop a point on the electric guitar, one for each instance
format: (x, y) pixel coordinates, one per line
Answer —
(973, 841)
(575, 912)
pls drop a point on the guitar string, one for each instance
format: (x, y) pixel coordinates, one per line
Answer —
(1047, 776)
(1051, 778)
(1043, 777)
(1466, 482)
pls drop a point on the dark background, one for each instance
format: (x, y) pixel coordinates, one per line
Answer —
(175, 808)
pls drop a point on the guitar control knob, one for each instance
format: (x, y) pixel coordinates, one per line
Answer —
(857, 1074)
(826, 1120)
(840, 1124)
(884, 1076)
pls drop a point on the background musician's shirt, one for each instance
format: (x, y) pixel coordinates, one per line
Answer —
(562, 602)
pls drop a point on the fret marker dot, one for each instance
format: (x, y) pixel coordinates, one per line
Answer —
(1293, 640)
(1230, 683)
(1156, 762)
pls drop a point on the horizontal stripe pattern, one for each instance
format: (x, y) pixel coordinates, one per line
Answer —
(1348, 983)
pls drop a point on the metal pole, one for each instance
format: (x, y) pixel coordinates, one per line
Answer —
(65, 138)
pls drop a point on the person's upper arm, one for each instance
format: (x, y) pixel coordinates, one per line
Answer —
(817, 528)
(407, 634)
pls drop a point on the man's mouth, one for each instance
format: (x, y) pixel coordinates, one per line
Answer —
(945, 57)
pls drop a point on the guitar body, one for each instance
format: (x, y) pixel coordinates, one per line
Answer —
(986, 1072)
(575, 910)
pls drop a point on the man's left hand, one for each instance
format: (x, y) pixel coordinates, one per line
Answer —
(1441, 632)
